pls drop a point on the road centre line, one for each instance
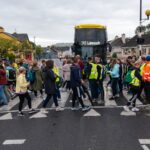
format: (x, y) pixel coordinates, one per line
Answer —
(14, 142)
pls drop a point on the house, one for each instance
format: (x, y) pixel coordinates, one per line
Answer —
(23, 47)
(132, 48)
(117, 44)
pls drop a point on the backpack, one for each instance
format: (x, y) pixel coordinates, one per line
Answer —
(146, 73)
(128, 78)
(12, 75)
(31, 76)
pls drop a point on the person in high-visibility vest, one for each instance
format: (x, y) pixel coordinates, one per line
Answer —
(56, 71)
(100, 69)
(92, 77)
(134, 87)
(146, 78)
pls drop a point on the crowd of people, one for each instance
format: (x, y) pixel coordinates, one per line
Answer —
(84, 79)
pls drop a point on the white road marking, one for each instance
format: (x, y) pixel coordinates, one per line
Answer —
(38, 115)
(6, 117)
(14, 142)
(145, 147)
(10, 105)
(92, 113)
(128, 113)
(35, 103)
(144, 141)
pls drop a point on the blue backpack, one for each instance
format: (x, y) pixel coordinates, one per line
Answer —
(31, 76)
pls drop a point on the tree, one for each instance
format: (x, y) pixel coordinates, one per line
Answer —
(38, 51)
(140, 29)
(114, 55)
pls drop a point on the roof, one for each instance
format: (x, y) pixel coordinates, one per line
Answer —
(118, 42)
(133, 41)
(1, 27)
(8, 34)
(21, 37)
(98, 26)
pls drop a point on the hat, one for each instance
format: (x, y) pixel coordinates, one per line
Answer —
(148, 58)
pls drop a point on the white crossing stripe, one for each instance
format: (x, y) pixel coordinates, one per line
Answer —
(38, 115)
(10, 105)
(35, 103)
(144, 141)
(14, 142)
(7, 116)
(92, 113)
(145, 147)
(128, 113)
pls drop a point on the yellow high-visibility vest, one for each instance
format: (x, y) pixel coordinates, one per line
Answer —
(94, 73)
(141, 68)
(56, 71)
(135, 81)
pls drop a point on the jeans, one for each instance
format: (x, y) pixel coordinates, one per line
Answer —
(3, 99)
(93, 88)
(101, 88)
(114, 86)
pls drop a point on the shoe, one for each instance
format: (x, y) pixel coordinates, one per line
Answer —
(58, 108)
(20, 113)
(59, 99)
(86, 108)
(44, 111)
(32, 111)
(100, 102)
(117, 96)
(126, 108)
(134, 109)
(94, 100)
(111, 98)
(74, 108)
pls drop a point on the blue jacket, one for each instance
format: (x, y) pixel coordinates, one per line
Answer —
(75, 76)
(115, 71)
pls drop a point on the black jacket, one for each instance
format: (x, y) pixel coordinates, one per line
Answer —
(49, 82)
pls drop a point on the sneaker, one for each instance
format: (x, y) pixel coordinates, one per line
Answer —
(86, 108)
(126, 108)
(134, 109)
(20, 113)
(74, 108)
(94, 100)
(111, 98)
(44, 111)
(117, 96)
(59, 108)
(32, 111)
(59, 99)
(100, 102)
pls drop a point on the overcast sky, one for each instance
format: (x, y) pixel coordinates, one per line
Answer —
(52, 21)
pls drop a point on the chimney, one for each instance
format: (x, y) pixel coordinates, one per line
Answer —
(123, 36)
(2, 30)
(116, 37)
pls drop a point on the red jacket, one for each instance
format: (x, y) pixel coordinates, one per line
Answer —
(3, 79)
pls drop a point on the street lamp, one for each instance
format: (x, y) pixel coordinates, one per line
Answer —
(140, 40)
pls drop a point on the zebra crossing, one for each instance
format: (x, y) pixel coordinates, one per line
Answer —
(6, 112)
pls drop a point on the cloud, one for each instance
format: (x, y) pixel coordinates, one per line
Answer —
(54, 20)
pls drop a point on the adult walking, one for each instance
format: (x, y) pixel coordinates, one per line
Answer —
(37, 84)
(50, 86)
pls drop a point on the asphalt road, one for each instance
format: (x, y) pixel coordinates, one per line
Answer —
(69, 130)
